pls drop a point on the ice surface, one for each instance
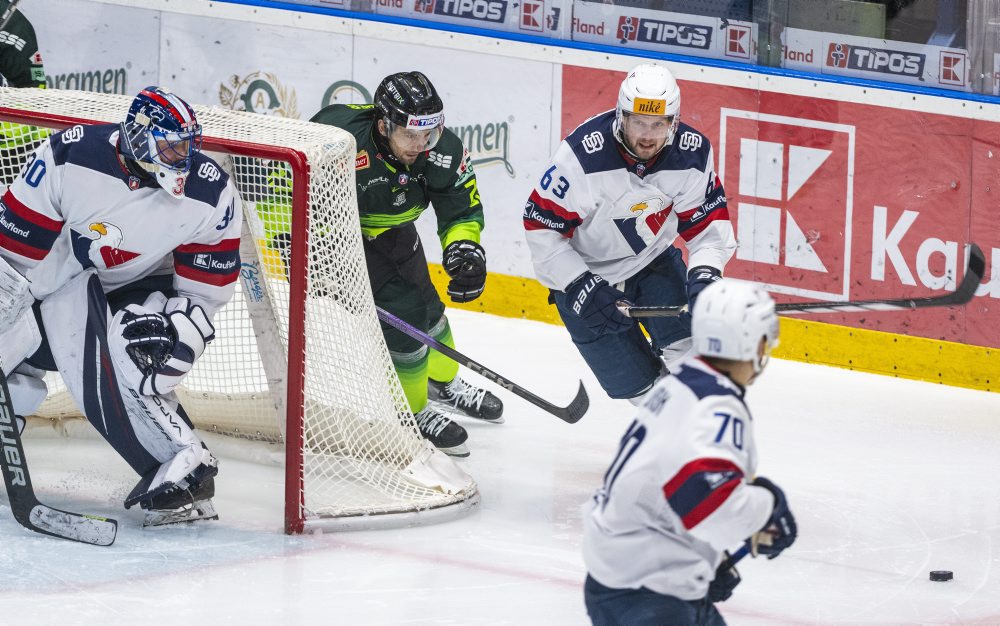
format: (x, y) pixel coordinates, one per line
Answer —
(888, 479)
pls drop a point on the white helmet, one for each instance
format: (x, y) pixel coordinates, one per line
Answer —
(729, 319)
(649, 89)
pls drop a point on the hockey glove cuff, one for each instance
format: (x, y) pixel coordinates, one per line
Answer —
(780, 530)
(596, 303)
(465, 262)
(699, 278)
(726, 579)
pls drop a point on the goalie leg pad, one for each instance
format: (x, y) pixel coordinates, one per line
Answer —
(19, 341)
(147, 431)
(27, 389)
(15, 295)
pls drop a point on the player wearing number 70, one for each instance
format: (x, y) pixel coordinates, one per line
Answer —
(118, 243)
(602, 221)
(680, 491)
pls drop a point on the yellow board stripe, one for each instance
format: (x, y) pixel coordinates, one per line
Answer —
(944, 362)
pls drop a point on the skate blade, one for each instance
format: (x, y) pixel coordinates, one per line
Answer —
(454, 412)
(200, 511)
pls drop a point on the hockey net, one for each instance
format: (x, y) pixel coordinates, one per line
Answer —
(299, 364)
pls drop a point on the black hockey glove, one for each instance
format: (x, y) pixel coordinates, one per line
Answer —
(596, 303)
(699, 278)
(780, 530)
(726, 579)
(465, 262)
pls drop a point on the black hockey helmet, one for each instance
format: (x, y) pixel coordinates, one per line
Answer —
(403, 96)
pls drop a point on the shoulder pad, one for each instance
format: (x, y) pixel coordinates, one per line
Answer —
(594, 144)
(206, 181)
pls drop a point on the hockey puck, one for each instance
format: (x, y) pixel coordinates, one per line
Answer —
(941, 575)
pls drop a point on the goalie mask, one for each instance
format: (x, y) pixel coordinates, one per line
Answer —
(412, 111)
(730, 318)
(161, 134)
(648, 111)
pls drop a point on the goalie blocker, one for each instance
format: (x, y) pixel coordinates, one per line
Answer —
(122, 373)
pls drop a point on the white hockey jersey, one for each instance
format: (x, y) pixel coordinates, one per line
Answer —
(677, 494)
(598, 209)
(76, 206)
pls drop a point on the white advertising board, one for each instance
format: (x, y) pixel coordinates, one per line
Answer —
(251, 67)
(500, 107)
(877, 59)
(93, 46)
(663, 31)
(532, 17)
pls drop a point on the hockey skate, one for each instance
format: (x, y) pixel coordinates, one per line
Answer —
(466, 399)
(182, 505)
(444, 434)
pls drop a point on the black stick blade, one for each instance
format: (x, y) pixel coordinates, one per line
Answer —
(578, 407)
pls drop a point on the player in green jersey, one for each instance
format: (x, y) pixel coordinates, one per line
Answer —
(407, 160)
(20, 66)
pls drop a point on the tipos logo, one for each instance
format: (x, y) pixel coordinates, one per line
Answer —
(259, 92)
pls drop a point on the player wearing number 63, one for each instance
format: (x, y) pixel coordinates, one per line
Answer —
(118, 244)
(681, 489)
(602, 221)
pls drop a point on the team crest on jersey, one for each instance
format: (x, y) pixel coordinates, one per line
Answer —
(134, 182)
(103, 242)
(640, 168)
(654, 204)
(404, 178)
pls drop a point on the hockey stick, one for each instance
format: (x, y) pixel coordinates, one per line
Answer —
(9, 13)
(27, 510)
(570, 414)
(966, 289)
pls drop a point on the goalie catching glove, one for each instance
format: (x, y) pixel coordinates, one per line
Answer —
(154, 351)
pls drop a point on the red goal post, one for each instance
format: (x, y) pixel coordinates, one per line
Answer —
(299, 361)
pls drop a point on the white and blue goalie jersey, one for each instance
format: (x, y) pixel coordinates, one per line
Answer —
(677, 494)
(76, 206)
(598, 209)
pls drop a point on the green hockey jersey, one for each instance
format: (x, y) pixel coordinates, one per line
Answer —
(391, 195)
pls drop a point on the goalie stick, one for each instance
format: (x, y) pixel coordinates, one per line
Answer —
(966, 289)
(27, 510)
(570, 414)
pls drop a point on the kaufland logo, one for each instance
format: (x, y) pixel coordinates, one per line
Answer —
(532, 16)
(952, 70)
(883, 61)
(790, 181)
(646, 30)
(738, 41)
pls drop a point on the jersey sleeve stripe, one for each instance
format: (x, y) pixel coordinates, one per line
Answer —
(205, 276)
(544, 214)
(692, 222)
(701, 487)
(26, 232)
(226, 245)
(213, 264)
(30, 215)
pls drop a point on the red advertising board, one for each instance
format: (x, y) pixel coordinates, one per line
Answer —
(835, 200)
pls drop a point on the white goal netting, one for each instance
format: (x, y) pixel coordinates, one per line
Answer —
(299, 360)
